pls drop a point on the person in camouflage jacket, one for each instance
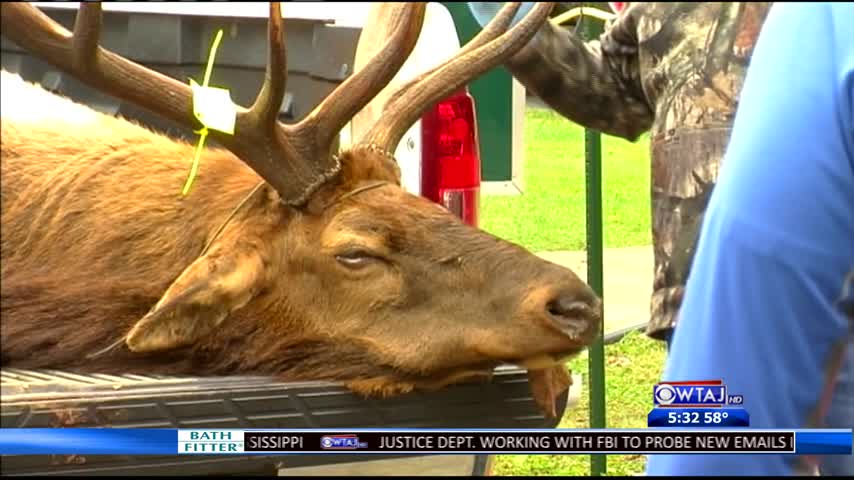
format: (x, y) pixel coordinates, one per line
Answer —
(674, 70)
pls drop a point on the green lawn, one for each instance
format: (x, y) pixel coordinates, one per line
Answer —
(632, 367)
(549, 215)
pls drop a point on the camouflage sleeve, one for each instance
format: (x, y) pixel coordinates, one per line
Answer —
(595, 84)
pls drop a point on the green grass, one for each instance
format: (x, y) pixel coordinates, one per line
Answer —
(549, 215)
(632, 366)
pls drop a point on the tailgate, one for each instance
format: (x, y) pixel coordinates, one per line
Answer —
(59, 399)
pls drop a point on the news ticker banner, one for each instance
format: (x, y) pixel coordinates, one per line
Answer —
(120, 441)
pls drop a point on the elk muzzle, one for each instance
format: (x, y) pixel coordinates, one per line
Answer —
(564, 306)
(572, 312)
(576, 313)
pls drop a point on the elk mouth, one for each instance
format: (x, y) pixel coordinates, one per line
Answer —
(548, 377)
(547, 360)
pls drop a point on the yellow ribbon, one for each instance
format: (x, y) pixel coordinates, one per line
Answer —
(213, 108)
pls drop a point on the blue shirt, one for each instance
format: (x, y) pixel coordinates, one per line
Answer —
(762, 303)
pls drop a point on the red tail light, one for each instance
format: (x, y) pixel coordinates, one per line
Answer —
(450, 165)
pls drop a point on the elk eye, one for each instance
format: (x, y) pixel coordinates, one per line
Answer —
(355, 258)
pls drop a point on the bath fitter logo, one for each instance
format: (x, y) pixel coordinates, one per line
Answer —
(210, 441)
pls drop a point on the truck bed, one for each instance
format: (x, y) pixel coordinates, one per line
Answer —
(49, 398)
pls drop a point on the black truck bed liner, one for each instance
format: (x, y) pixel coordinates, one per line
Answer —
(41, 399)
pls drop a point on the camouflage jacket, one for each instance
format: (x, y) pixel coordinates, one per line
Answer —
(675, 70)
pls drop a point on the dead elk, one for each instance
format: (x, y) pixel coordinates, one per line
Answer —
(286, 258)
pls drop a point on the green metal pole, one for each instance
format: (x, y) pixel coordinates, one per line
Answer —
(595, 270)
(596, 359)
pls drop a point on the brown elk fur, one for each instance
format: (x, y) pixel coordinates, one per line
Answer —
(97, 242)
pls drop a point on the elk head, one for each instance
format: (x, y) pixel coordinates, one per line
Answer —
(329, 250)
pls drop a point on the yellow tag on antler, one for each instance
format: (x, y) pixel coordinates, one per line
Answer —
(214, 109)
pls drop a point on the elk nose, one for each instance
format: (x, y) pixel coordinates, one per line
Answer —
(577, 315)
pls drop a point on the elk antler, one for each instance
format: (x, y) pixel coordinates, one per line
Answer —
(489, 48)
(293, 159)
(491, 31)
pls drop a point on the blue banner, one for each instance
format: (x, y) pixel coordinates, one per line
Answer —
(823, 442)
(686, 440)
(88, 441)
(698, 417)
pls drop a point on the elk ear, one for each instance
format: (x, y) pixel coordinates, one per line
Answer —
(199, 300)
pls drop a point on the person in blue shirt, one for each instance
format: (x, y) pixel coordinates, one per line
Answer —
(765, 304)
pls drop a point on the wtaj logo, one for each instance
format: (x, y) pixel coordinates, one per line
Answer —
(341, 442)
(709, 393)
